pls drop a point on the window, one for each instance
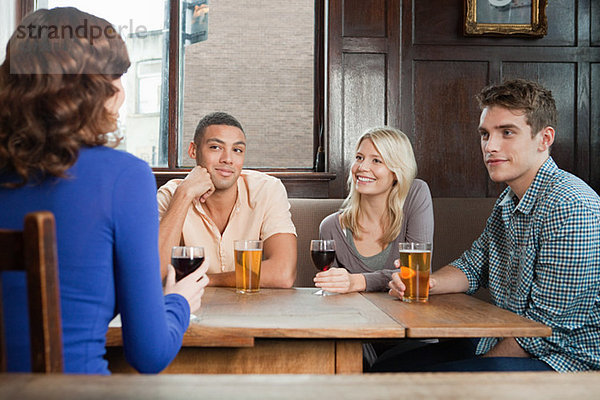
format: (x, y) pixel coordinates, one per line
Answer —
(253, 59)
(256, 63)
(148, 86)
(7, 26)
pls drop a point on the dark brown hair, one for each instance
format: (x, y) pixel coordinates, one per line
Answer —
(54, 84)
(215, 118)
(530, 97)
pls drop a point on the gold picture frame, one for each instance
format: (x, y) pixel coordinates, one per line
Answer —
(506, 17)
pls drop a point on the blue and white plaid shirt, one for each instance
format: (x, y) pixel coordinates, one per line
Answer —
(540, 258)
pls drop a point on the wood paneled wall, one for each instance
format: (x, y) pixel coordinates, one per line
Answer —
(363, 76)
(407, 64)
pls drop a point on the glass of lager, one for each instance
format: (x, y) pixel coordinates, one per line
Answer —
(415, 268)
(248, 256)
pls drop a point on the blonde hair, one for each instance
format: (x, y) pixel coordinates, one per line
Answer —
(397, 154)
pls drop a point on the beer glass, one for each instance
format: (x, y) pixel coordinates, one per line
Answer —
(415, 268)
(248, 256)
(186, 259)
(322, 253)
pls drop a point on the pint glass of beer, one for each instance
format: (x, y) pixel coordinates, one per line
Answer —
(248, 256)
(415, 268)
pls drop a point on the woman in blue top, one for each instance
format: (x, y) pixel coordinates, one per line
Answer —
(60, 92)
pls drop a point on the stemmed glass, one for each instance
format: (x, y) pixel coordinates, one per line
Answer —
(185, 260)
(322, 253)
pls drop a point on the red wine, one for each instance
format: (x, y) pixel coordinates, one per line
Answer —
(185, 266)
(322, 259)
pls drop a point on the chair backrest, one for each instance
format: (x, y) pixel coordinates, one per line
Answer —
(34, 251)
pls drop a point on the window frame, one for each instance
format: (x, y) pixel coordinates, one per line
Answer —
(174, 93)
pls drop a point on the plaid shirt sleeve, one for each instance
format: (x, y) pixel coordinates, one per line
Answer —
(565, 287)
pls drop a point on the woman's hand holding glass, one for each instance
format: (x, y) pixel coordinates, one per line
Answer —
(339, 280)
(191, 287)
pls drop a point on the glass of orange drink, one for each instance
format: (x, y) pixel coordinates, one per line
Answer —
(415, 268)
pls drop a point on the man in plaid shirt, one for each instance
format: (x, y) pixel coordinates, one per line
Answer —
(539, 254)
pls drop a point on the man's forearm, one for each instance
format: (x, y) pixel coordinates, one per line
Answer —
(271, 276)
(222, 279)
(278, 268)
(275, 274)
(449, 279)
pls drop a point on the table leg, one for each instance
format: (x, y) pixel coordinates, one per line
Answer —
(348, 357)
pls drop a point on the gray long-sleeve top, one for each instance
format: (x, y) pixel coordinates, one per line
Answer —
(417, 226)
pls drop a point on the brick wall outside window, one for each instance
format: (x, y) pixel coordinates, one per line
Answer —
(257, 64)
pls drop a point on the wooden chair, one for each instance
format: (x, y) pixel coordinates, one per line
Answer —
(34, 251)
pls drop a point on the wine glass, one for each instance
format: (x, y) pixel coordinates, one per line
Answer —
(186, 259)
(322, 253)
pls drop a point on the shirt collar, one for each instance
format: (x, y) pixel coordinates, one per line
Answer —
(547, 170)
(508, 197)
(242, 193)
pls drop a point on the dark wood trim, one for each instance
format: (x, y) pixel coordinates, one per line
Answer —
(165, 175)
(298, 184)
(319, 128)
(306, 184)
(517, 54)
(405, 118)
(582, 122)
(174, 45)
(334, 88)
(393, 67)
(24, 7)
(340, 46)
(583, 106)
(364, 45)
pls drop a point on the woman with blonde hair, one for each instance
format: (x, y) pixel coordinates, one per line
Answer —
(386, 205)
(60, 94)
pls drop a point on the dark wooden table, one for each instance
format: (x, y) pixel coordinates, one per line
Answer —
(488, 386)
(274, 331)
(454, 316)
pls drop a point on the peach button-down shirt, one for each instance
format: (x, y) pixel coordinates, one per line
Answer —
(261, 210)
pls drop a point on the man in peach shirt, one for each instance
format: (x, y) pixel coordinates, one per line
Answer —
(218, 203)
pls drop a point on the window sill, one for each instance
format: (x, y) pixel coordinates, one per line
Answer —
(306, 184)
